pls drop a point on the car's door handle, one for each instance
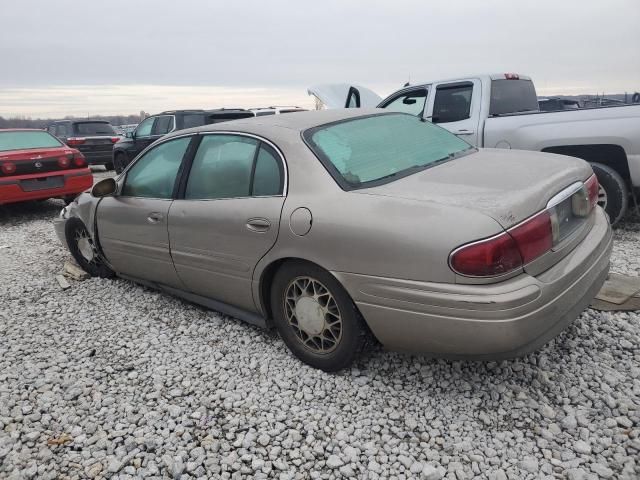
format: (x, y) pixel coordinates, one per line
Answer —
(463, 131)
(258, 225)
(154, 217)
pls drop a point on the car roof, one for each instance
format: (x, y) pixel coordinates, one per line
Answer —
(299, 122)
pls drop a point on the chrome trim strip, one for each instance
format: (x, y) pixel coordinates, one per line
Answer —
(564, 194)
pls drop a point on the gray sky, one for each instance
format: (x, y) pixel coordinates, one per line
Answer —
(122, 56)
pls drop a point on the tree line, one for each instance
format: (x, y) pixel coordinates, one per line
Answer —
(28, 122)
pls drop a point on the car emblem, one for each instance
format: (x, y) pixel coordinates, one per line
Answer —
(38, 164)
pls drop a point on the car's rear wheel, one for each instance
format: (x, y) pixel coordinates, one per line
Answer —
(119, 161)
(84, 250)
(315, 316)
(109, 166)
(613, 195)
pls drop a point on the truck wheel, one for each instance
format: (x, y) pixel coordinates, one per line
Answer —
(120, 161)
(613, 195)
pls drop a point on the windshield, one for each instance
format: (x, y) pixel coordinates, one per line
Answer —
(368, 151)
(512, 96)
(93, 128)
(27, 139)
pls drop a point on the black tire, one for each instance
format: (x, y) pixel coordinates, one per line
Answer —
(615, 188)
(109, 166)
(94, 267)
(352, 334)
(120, 162)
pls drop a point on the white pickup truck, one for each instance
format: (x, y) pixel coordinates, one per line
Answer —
(501, 111)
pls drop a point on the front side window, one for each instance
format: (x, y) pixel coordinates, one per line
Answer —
(154, 174)
(22, 140)
(163, 125)
(144, 129)
(233, 166)
(372, 150)
(452, 102)
(409, 102)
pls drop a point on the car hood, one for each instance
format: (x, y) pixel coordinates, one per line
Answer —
(507, 185)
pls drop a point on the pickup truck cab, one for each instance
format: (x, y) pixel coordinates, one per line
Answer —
(502, 111)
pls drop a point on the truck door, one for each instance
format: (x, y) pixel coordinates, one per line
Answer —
(456, 107)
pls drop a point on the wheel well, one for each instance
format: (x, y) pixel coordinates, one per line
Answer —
(613, 156)
(266, 279)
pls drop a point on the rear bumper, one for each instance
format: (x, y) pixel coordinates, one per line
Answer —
(72, 183)
(502, 320)
(98, 158)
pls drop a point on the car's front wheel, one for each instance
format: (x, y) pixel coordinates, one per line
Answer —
(119, 162)
(84, 250)
(316, 317)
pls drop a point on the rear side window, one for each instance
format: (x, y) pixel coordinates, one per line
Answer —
(233, 166)
(452, 102)
(27, 139)
(154, 174)
(512, 96)
(163, 125)
(93, 128)
(222, 167)
(408, 102)
(192, 120)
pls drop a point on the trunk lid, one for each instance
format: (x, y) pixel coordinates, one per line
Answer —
(36, 160)
(507, 185)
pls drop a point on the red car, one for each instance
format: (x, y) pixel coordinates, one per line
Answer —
(35, 165)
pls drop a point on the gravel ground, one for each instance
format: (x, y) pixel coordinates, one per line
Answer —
(113, 380)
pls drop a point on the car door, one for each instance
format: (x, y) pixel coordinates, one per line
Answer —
(132, 225)
(141, 137)
(227, 217)
(344, 95)
(456, 107)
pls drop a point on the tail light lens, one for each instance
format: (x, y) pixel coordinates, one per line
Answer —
(530, 239)
(8, 168)
(592, 189)
(73, 141)
(64, 162)
(79, 160)
(115, 139)
(533, 237)
(487, 258)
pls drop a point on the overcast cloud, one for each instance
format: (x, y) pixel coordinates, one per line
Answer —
(79, 56)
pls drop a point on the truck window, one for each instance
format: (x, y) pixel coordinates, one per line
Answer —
(192, 120)
(452, 102)
(408, 102)
(512, 96)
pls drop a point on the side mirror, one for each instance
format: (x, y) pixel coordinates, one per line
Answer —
(104, 188)
(409, 101)
(129, 134)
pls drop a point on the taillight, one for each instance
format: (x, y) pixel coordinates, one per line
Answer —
(505, 252)
(487, 258)
(78, 160)
(534, 236)
(8, 168)
(593, 188)
(115, 139)
(64, 162)
(73, 141)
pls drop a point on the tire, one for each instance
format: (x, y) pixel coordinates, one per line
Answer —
(304, 327)
(75, 230)
(614, 195)
(109, 166)
(120, 162)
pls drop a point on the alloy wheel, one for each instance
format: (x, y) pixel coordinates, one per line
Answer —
(313, 314)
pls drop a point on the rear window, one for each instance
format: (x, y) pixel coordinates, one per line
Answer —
(512, 96)
(27, 140)
(372, 150)
(93, 128)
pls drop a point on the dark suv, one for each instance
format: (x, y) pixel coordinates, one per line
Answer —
(155, 126)
(94, 139)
